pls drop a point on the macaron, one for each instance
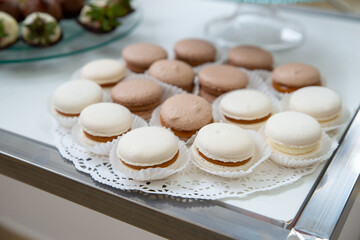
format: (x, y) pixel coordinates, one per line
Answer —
(10, 30)
(246, 108)
(195, 51)
(173, 72)
(140, 96)
(293, 133)
(104, 122)
(140, 56)
(148, 147)
(321, 103)
(223, 147)
(218, 79)
(105, 72)
(290, 77)
(185, 114)
(72, 97)
(250, 57)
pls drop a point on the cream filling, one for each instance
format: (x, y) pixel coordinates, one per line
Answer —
(293, 150)
(329, 119)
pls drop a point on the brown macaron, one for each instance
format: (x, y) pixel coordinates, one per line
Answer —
(173, 72)
(250, 57)
(290, 77)
(195, 51)
(185, 114)
(140, 56)
(218, 79)
(140, 96)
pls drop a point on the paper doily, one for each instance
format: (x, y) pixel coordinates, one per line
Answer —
(189, 183)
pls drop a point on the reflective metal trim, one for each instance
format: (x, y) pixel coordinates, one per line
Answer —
(326, 211)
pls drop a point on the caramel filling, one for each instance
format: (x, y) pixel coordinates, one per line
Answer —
(104, 85)
(221, 163)
(67, 114)
(248, 121)
(286, 89)
(103, 139)
(162, 165)
(180, 134)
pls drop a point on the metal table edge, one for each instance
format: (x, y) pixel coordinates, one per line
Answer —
(335, 192)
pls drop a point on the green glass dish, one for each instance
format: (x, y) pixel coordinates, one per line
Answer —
(75, 40)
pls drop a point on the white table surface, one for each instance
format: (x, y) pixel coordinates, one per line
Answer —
(332, 45)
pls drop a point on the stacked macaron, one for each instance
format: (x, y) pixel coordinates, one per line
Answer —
(149, 153)
(185, 114)
(250, 57)
(173, 72)
(195, 51)
(290, 77)
(296, 139)
(140, 56)
(103, 122)
(105, 72)
(71, 98)
(139, 95)
(226, 150)
(321, 103)
(216, 80)
(246, 108)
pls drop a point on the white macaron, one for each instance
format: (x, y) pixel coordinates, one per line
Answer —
(104, 122)
(220, 147)
(148, 147)
(246, 108)
(72, 97)
(321, 103)
(293, 133)
(105, 72)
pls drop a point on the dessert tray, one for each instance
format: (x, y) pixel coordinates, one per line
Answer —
(75, 40)
(191, 182)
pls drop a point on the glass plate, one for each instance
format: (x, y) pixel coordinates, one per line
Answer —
(75, 40)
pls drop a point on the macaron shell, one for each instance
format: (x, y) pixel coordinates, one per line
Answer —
(225, 142)
(186, 112)
(296, 75)
(222, 78)
(319, 102)
(293, 129)
(250, 57)
(103, 71)
(147, 146)
(72, 97)
(245, 104)
(105, 119)
(142, 55)
(173, 72)
(195, 51)
(136, 92)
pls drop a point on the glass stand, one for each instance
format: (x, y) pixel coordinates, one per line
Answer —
(256, 25)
